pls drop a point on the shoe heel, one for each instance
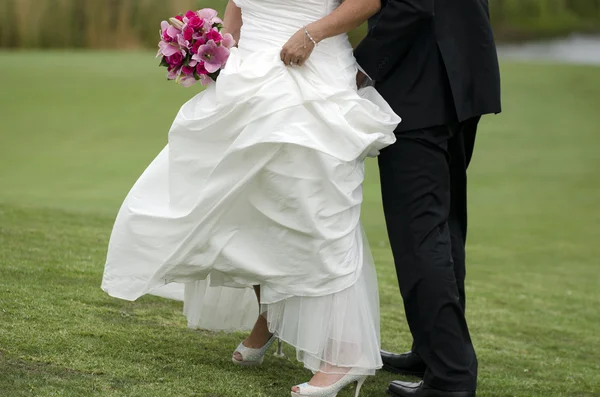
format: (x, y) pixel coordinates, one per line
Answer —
(279, 352)
(359, 384)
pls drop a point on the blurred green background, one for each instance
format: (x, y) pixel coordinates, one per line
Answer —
(133, 23)
(79, 126)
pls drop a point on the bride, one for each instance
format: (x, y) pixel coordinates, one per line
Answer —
(259, 191)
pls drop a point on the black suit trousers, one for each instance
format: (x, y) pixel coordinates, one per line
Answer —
(424, 190)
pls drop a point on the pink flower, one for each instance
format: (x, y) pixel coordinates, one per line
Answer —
(196, 23)
(188, 33)
(210, 16)
(200, 69)
(214, 35)
(187, 81)
(179, 18)
(228, 40)
(175, 59)
(169, 33)
(205, 79)
(213, 56)
(199, 35)
(167, 49)
(174, 71)
(208, 13)
(183, 43)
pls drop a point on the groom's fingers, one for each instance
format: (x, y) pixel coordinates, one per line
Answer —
(360, 79)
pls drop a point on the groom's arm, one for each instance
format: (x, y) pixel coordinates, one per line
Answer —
(390, 38)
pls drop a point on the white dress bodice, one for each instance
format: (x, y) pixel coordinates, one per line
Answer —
(269, 24)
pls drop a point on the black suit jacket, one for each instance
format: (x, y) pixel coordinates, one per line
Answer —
(434, 61)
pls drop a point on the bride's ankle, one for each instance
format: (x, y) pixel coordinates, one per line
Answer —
(255, 340)
(260, 334)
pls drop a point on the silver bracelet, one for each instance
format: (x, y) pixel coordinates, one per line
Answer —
(309, 36)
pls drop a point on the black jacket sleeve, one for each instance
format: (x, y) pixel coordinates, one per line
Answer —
(391, 36)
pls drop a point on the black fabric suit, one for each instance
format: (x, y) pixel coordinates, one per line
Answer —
(435, 63)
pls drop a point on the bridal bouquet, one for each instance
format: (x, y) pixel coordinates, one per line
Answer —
(192, 47)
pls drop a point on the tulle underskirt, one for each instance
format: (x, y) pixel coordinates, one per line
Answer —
(340, 329)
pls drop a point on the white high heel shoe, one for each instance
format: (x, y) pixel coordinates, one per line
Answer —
(252, 356)
(306, 390)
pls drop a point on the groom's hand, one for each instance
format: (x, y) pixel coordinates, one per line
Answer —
(361, 79)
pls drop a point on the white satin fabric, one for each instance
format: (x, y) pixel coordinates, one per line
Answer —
(260, 184)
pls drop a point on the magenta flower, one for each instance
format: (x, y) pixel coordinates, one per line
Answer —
(196, 45)
(179, 18)
(200, 69)
(175, 59)
(166, 37)
(188, 33)
(213, 56)
(196, 23)
(214, 35)
(187, 71)
(190, 14)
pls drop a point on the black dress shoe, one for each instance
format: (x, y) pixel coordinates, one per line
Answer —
(407, 389)
(408, 363)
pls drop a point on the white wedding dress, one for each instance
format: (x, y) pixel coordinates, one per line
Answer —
(260, 184)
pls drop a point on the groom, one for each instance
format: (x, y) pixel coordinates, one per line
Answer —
(435, 63)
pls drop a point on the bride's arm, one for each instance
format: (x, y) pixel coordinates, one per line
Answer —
(232, 21)
(349, 15)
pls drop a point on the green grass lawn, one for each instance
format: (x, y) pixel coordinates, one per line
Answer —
(76, 131)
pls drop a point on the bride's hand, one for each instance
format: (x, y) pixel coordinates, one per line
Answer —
(297, 50)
